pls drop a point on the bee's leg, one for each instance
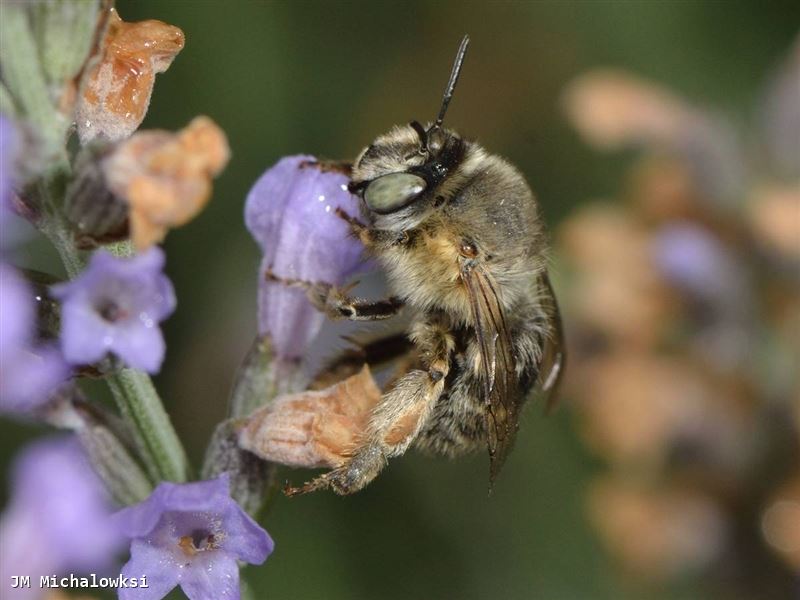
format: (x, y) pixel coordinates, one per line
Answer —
(361, 231)
(396, 420)
(376, 352)
(371, 237)
(336, 304)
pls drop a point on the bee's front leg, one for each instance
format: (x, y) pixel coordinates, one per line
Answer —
(335, 303)
(395, 421)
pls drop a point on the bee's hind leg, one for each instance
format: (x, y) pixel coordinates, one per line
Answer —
(335, 303)
(396, 419)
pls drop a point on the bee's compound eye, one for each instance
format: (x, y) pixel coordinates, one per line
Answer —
(392, 192)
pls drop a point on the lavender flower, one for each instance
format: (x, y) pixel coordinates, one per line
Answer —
(191, 534)
(28, 373)
(115, 306)
(59, 519)
(290, 212)
(693, 260)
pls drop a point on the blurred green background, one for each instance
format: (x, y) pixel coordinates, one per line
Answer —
(326, 78)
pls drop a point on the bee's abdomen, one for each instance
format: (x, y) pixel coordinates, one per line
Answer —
(456, 425)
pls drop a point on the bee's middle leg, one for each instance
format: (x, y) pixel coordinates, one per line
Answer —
(335, 303)
(394, 423)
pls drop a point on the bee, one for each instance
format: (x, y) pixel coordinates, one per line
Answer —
(458, 233)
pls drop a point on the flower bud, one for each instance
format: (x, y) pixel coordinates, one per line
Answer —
(313, 428)
(116, 87)
(166, 177)
(780, 523)
(96, 213)
(678, 530)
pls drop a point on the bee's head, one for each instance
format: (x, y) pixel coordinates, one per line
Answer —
(401, 171)
(405, 165)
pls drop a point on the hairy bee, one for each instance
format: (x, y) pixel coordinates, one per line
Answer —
(460, 237)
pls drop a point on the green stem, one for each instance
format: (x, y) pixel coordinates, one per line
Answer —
(137, 399)
(62, 239)
(141, 407)
(52, 189)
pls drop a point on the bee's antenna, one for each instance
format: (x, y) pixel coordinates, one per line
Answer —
(451, 85)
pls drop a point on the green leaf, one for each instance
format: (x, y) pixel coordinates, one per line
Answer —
(119, 471)
(7, 107)
(24, 77)
(64, 31)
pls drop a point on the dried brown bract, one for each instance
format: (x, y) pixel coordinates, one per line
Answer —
(116, 86)
(620, 293)
(313, 428)
(657, 533)
(643, 411)
(781, 523)
(611, 108)
(775, 219)
(166, 177)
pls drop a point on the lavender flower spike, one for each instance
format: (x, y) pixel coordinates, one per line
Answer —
(28, 372)
(290, 212)
(115, 306)
(191, 535)
(59, 518)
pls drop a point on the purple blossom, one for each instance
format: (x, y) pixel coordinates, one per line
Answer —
(191, 535)
(693, 260)
(28, 372)
(115, 306)
(59, 518)
(290, 212)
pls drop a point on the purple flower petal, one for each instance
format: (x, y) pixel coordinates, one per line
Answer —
(144, 347)
(28, 373)
(200, 496)
(115, 306)
(246, 539)
(160, 567)
(85, 336)
(29, 377)
(57, 501)
(290, 211)
(22, 553)
(287, 315)
(16, 310)
(214, 578)
(695, 261)
(192, 534)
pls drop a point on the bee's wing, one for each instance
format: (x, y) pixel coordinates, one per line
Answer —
(554, 354)
(503, 397)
